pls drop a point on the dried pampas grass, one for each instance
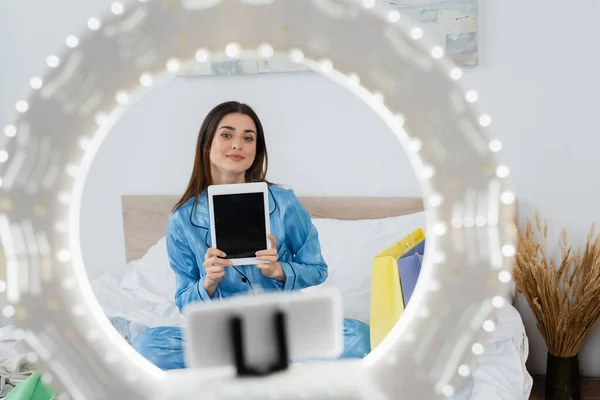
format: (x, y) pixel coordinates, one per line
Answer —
(564, 295)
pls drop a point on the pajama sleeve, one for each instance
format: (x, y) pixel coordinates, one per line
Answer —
(307, 266)
(189, 283)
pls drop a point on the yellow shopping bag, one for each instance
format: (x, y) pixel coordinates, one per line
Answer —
(387, 301)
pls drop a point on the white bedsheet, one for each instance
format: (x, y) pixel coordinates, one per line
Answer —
(142, 292)
(500, 373)
(135, 304)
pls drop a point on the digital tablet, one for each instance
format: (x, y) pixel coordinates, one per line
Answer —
(239, 220)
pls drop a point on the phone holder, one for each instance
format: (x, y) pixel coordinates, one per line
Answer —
(237, 336)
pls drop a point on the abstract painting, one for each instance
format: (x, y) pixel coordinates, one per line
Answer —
(225, 66)
(451, 23)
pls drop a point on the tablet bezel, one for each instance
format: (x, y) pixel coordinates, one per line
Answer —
(240, 188)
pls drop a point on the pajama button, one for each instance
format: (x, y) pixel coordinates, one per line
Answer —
(244, 280)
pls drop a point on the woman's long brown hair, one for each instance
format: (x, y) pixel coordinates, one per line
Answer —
(201, 174)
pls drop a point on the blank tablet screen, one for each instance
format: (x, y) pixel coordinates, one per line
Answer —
(240, 224)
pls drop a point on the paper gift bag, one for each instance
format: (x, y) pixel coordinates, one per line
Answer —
(387, 298)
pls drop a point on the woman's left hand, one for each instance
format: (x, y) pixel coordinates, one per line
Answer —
(273, 269)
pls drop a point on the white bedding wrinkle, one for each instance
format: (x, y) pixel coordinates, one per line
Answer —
(135, 304)
(500, 373)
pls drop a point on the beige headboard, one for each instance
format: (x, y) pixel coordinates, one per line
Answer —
(145, 217)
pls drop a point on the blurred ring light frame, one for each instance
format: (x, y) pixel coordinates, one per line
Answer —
(368, 48)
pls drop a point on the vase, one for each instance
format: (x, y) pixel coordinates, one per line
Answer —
(562, 378)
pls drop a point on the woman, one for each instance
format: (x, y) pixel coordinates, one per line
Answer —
(231, 149)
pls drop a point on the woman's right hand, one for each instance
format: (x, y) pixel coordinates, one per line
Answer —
(214, 264)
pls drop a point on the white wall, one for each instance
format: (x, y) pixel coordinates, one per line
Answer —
(333, 146)
(537, 77)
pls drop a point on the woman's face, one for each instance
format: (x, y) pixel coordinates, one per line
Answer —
(233, 147)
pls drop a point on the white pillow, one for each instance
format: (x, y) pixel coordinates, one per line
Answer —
(349, 247)
(152, 272)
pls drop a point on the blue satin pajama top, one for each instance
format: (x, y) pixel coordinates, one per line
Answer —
(188, 238)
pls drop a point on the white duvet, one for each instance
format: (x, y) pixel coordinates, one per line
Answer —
(143, 291)
(500, 373)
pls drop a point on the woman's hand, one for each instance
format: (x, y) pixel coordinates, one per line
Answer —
(214, 264)
(273, 269)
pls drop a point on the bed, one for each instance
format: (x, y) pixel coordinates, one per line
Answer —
(351, 231)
